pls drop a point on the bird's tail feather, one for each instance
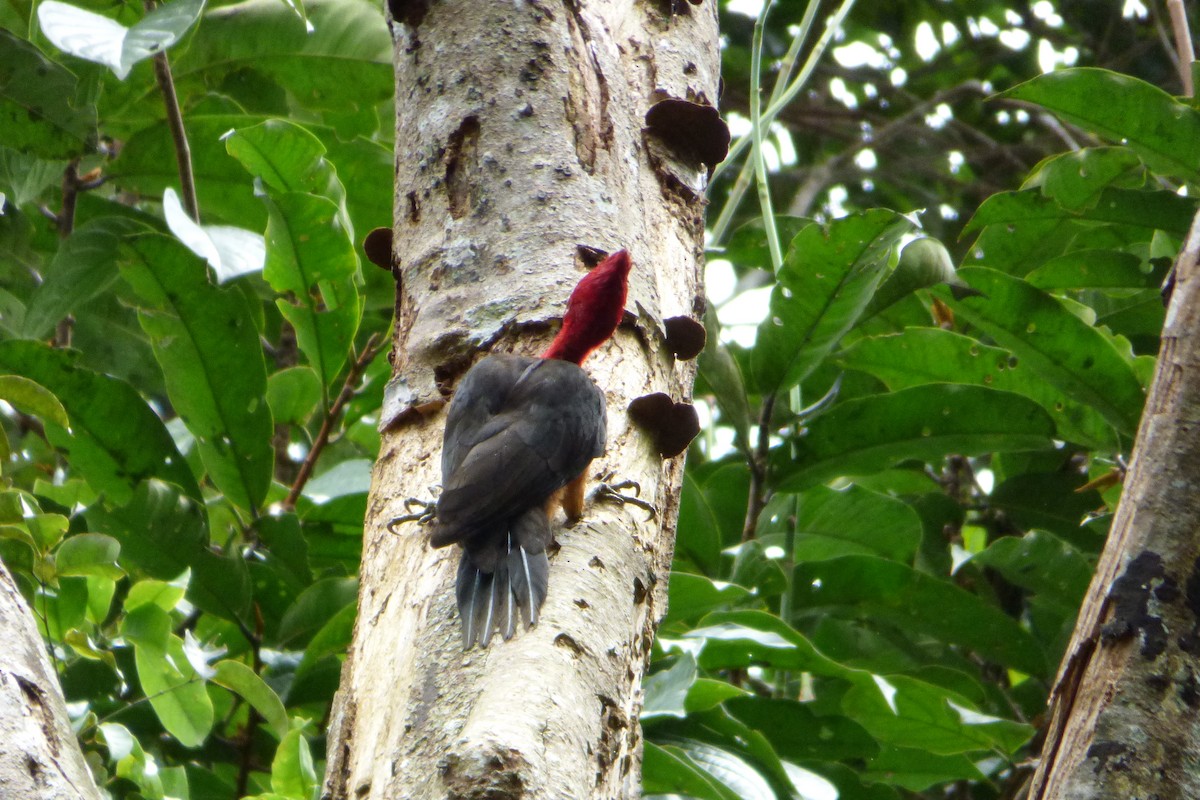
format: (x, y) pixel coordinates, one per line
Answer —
(490, 601)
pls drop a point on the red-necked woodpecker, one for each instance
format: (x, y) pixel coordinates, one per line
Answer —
(519, 437)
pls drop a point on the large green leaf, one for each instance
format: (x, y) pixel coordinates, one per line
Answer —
(1084, 269)
(176, 692)
(905, 712)
(854, 520)
(311, 260)
(237, 677)
(40, 112)
(116, 440)
(825, 283)
(206, 342)
(670, 770)
(797, 733)
(932, 355)
(923, 422)
(1121, 108)
(1149, 211)
(343, 63)
(896, 593)
(1057, 345)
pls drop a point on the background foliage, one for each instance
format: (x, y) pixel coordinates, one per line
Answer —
(886, 527)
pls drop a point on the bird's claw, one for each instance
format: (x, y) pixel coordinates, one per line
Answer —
(612, 491)
(420, 511)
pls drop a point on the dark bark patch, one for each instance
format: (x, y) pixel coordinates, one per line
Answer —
(1104, 751)
(1189, 690)
(570, 645)
(414, 208)
(671, 425)
(695, 132)
(378, 247)
(685, 337)
(495, 775)
(1129, 599)
(461, 157)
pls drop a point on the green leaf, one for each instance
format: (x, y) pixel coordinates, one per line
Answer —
(739, 639)
(237, 677)
(23, 176)
(164, 534)
(102, 40)
(334, 637)
(160, 593)
(1058, 346)
(1148, 211)
(311, 260)
(1159, 128)
(293, 395)
(707, 693)
(287, 157)
(699, 534)
(1076, 179)
(314, 607)
(84, 266)
(917, 770)
(854, 521)
(1041, 563)
(346, 46)
(825, 283)
(690, 597)
(923, 422)
(799, 734)
(32, 398)
(921, 356)
(61, 609)
(39, 114)
(147, 625)
(292, 773)
(146, 165)
(666, 691)
(175, 691)
(116, 440)
(206, 342)
(877, 588)
(1099, 269)
(89, 554)
(905, 712)
(669, 770)
(923, 263)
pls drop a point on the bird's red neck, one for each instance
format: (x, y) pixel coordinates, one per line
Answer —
(594, 310)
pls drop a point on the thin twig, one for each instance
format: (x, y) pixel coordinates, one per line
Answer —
(183, 153)
(758, 469)
(1183, 43)
(65, 222)
(348, 388)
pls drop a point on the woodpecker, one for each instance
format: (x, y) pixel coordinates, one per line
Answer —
(520, 434)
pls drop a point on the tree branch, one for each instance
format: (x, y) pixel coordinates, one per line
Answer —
(348, 388)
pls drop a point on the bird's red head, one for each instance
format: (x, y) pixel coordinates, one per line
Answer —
(594, 310)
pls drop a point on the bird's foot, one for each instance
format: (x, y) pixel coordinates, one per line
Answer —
(419, 511)
(613, 492)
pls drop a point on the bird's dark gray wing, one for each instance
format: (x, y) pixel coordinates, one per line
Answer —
(517, 437)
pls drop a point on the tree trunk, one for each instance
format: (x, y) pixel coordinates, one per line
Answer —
(522, 143)
(39, 754)
(1123, 717)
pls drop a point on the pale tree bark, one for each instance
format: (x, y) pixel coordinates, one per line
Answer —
(1123, 713)
(39, 754)
(522, 143)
